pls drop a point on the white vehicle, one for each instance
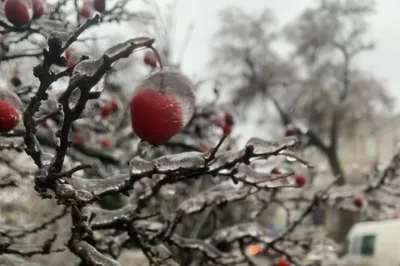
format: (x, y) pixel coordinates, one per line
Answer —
(373, 244)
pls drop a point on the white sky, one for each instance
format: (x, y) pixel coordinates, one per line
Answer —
(385, 29)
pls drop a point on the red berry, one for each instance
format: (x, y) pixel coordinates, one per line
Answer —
(17, 12)
(359, 202)
(156, 117)
(44, 123)
(106, 111)
(229, 119)
(38, 8)
(219, 123)
(227, 129)
(71, 63)
(78, 141)
(9, 117)
(16, 81)
(290, 130)
(301, 180)
(283, 262)
(150, 59)
(99, 5)
(276, 171)
(67, 54)
(106, 143)
(86, 11)
(114, 105)
(204, 147)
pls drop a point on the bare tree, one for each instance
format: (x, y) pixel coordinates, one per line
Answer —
(319, 84)
(115, 192)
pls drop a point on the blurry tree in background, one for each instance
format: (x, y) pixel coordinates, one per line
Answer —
(79, 187)
(316, 86)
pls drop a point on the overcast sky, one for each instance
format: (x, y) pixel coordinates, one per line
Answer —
(385, 29)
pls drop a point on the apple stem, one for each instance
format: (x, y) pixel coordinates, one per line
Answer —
(162, 87)
(158, 56)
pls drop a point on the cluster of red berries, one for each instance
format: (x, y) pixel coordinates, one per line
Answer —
(300, 180)
(109, 108)
(226, 124)
(17, 11)
(89, 7)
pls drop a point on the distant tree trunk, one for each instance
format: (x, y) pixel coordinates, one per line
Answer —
(339, 222)
(336, 167)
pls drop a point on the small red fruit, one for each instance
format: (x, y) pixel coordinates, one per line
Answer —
(67, 54)
(44, 123)
(359, 202)
(229, 119)
(106, 111)
(301, 180)
(283, 262)
(204, 147)
(38, 8)
(290, 130)
(17, 12)
(86, 11)
(99, 5)
(114, 105)
(9, 117)
(16, 81)
(276, 171)
(227, 129)
(156, 117)
(106, 143)
(219, 123)
(150, 59)
(71, 63)
(78, 141)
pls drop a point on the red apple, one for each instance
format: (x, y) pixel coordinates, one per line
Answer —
(16, 81)
(283, 262)
(150, 59)
(290, 130)
(17, 12)
(99, 5)
(301, 180)
(156, 116)
(106, 143)
(9, 117)
(38, 8)
(359, 202)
